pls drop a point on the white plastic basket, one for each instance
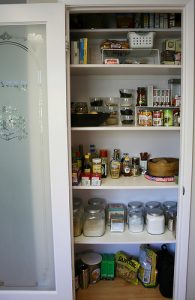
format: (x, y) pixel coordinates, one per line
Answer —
(141, 40)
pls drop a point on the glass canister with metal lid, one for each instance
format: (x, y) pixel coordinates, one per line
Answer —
(77, 217)
(167, 205)
(94, 221)
(155, 221)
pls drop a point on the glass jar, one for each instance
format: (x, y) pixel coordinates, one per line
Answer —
(152, 204)
(136, 221)
(172, 219)
(135, 206)
(94, 221)
(167, 206)
(141, 96)
(77, 218)
(97, 202)
(155, 221)
(111, 107)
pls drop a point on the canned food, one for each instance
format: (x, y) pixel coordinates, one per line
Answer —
(145, 118)
(157, 119)
(168, 117)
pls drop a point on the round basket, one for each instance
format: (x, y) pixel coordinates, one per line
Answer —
(163, 166)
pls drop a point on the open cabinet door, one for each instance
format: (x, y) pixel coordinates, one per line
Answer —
(35, 247)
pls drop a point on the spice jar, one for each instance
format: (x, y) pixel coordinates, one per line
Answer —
(77, 218)
(94, 221)
(155, 221)
(136, 221)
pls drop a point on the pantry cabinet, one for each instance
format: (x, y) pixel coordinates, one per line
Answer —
(61, 82)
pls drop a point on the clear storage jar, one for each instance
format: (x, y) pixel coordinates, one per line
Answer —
(77, 218)
(167, 206)
(155, 221)
(94, 221)
(136, 221)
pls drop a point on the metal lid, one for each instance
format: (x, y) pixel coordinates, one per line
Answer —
(93, 209)
(169, 204)
(135, 204)
(153, 204)
(97, 201)
(155, 212)
(91, 258)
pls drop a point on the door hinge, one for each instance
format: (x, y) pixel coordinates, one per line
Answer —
(67, 45)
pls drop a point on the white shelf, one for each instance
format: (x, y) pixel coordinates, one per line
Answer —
(129, 183)
(126, 128)
(127, 237)
(111, 33)
(125, 69)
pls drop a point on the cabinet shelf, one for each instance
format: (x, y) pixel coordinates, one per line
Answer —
(122, 32)
(129, 183)
(126, 128)
(127, 237)
(125, 69)
(118, 289)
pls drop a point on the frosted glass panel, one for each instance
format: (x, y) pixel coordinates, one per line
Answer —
(26, 245)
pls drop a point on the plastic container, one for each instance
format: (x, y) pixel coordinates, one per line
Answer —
(144, 40)
(93, 261)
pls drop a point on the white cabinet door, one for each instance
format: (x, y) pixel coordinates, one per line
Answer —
(35, 248)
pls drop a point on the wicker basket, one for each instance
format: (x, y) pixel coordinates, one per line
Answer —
(163, 166)
(144, 40)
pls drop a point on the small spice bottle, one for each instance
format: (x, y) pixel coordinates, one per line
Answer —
(155, 221)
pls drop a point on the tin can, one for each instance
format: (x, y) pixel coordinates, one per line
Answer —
(146, 118)
(157, 119)
(168, 117)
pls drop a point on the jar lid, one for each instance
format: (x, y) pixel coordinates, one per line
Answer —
(169, 204)
(103, 153)
(97, 201)
(96, 160)
(155, 212)
(153, 204)
(91, 258)
(93, 209)
(77, 202)
(135, 204)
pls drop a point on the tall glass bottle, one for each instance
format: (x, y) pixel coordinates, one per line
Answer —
(115, 164)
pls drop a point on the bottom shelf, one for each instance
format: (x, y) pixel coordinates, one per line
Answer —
(118, 289)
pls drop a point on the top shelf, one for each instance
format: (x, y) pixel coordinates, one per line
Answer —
(122, 32)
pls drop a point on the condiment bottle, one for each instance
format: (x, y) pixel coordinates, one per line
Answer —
(96, 166)
(115, 165)
(104, 162)
(141, 96)
(126, 165)
(87, 166)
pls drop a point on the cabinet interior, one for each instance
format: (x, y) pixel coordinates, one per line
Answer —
(96, 79)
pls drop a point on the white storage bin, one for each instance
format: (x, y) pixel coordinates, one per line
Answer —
(141, 40)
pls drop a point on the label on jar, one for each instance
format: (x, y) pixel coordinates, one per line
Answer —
(95, 275)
